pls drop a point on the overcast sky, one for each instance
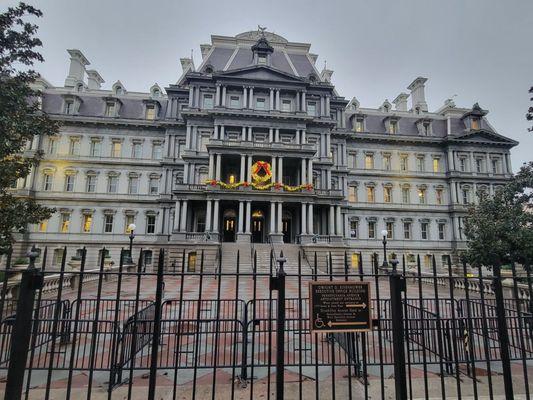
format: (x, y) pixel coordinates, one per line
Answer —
(480, 50)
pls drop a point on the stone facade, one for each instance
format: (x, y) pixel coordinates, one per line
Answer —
(341, 173)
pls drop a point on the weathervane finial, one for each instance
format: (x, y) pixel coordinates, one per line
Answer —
(261, 29)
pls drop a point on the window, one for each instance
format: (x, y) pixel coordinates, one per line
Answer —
(87, 223)
(403, 162)
(426, 128)
(234, 102)
(466, 196)
(52, 146)
(311, 108)
(424, 230)
(260, 103)
(69, 107)
(65, 222)
(91, 184)
(422, 196)
(475, 123)
(387, 162)
(148, 257)
(208, 101)
(130, 219)
(154, 185)
(133, 185)
(438, 194)
(42, 226)
(370, 194)
(479, 165)
(261, 59)
(150, 111)
(354, 228)
(74, 147)
(150, 224)
(108, 223)
(204, 139)
(110, 109)
(495, 167)
(371, 229)
(436, 165)
(95, 148)
(286, 105)
(157, 151)
(407, 230)
(442, 234)
(462, 164)
(47, 181)
(352, 160)
(420, 161)
(359, 125)
(389, 226)
(116, 149)
(387, 194)
(406, 194)
(112, 184)
(352, 194)
(136, 150)
(369, 161)
(393, 127)
(69, 183)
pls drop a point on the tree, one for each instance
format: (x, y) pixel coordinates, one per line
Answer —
(529, 115)
(500, 228)
(20, 119)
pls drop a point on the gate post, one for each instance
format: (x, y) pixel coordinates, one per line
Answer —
(503, 335)
(32, 279)
(397, 286)
(278, 283)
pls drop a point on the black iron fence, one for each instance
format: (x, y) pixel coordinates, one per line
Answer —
(124, 332)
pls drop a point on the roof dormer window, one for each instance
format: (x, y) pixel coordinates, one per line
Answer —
(262, 59)
(110, 109)
(475, 123)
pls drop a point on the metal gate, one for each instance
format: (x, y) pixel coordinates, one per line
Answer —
(238, 332)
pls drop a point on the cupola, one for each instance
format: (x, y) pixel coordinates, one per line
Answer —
(262, 49)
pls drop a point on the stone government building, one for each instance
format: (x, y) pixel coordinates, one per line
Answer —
(256, 146)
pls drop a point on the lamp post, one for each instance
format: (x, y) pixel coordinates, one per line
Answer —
(131, 228)
(384, 235)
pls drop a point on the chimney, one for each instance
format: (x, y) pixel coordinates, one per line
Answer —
(94, 80)
(76, 71)
(418, 97)
(187, 64)
(401, 102)
(205, 48)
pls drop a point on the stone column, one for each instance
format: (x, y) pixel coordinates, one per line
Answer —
(276, 138)
(304, 103)
(322, 106)
(273, 169)
(272, 217)
(280, 169)
(277, 100)
(249, 169)
(211, 165)
(183, 219)
(177, 216)
(188, 138)
(217, 96)
(185, 172)
(208, 216)
(488, 167)
(472, 162)
(197, 98)
(244, 97)
(270, 135)
(243, 134)
(251, 99)
(250, 134)
(248, 216)
(280, 225)
(328, 179)
(339, 221)
(223, 96)
(297, 101)
(310, 227)
(241, 216)
(303, 179)
(304, 219)
(191, 96)
(216, 216)
(328, 145)
(215, 131)
(218, 167)
(331, 229)
(271, 99)
(221, 132)
(310, 172)
(303, 139)
(242, 176)
(450, 160)
(297, 136)
(327, 106)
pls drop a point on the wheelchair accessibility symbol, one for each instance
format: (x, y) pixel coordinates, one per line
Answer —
(319, 323)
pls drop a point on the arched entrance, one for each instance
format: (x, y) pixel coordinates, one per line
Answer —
(228, 226)
(258, 226)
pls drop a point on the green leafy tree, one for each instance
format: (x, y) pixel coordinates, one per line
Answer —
(500, 228)
(20, 119)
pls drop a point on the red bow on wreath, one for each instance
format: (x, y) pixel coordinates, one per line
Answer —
(262, 165)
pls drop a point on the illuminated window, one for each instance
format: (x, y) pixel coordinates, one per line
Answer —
(87, 223)
(74, 147)
(150, 224)
(150, 111)
(352, 194)
(422, 196)
(387, 194)
(116, 149)
(369, 161)
(370, 194)
(436, 165)
(108, 223)
(42, 226)
(354, 228)
(359, 125)
(371, 229)
(231, 179)
(407, 230)
(475, 123)
(65, 222)
(403, 162)
(406, 195)
(387, 162)
(438, 193)
(130, 219)
(390, 230)
(355, 260)
(393, 127)
(69, 183)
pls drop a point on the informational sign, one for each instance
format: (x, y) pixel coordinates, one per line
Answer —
(340, 306)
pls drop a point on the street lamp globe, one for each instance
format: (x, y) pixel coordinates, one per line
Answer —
(131, 227)
(384, 233)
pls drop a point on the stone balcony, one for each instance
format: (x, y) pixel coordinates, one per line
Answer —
(203, 188)
(306, 148)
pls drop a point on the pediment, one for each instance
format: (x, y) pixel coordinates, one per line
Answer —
(484, 136)
(261, 72)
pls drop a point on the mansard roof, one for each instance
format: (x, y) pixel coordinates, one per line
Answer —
(261, 72)
(483, 136)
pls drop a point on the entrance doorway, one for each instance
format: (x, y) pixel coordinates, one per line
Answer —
(228, 226)
(258, 226)
(286, 223)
